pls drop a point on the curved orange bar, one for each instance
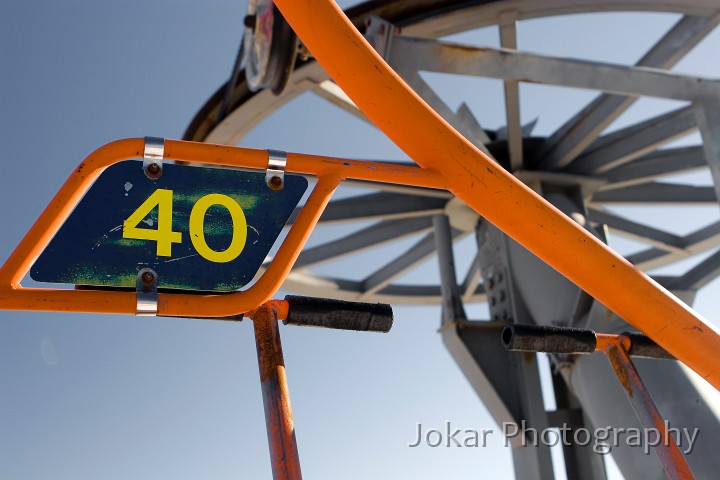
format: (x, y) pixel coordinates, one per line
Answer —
(330, 171)
(494, 193)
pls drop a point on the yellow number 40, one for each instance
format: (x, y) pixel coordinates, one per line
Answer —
(165, 236)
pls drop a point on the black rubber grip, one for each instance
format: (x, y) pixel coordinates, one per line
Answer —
(533, 338)
(643, 346)
(338, 314)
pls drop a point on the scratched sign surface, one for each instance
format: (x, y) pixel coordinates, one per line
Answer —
(205, 229)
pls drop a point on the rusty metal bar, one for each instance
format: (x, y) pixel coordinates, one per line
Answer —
(531, 338)
(305, 311)
(276, 396)
(615, 348)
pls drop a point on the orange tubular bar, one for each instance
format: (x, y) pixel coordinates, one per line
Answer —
(330, 171)
(494, 193)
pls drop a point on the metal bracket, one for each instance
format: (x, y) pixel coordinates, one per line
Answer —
(153, 157)
(379, 33)
(275, 173)
(146, 289)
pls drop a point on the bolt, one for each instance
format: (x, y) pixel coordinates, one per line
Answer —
(249, 22)
(275, 182)
(147, 278)
(153, 171)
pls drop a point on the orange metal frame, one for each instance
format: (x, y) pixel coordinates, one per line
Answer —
(330, 171)
(448, 161)
(494, 193)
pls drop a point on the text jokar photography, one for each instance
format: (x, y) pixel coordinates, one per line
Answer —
(602, 440)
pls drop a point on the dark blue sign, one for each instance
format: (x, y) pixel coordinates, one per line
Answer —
(198, 228)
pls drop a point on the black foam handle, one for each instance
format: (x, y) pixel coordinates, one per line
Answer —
(536, 338)
(642, 346)
(338, 314)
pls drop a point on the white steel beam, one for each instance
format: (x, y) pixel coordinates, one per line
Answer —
(377, 234)
(708, 118)
(508, 39)
(420, 54)
(645, 233)
(655, 165)
(657, 193)
(618, 148)
(575, 135)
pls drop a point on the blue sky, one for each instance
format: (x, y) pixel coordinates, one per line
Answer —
(87, 396)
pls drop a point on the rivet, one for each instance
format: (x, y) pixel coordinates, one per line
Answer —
(275, 182)
(153, 171)
(147, 278)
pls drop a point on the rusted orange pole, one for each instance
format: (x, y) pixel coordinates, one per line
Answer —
(495, 194)
(615, 348)
(276, 396)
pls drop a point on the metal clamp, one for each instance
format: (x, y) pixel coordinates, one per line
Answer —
(153, 157)
(146, 289)
(275, 173)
